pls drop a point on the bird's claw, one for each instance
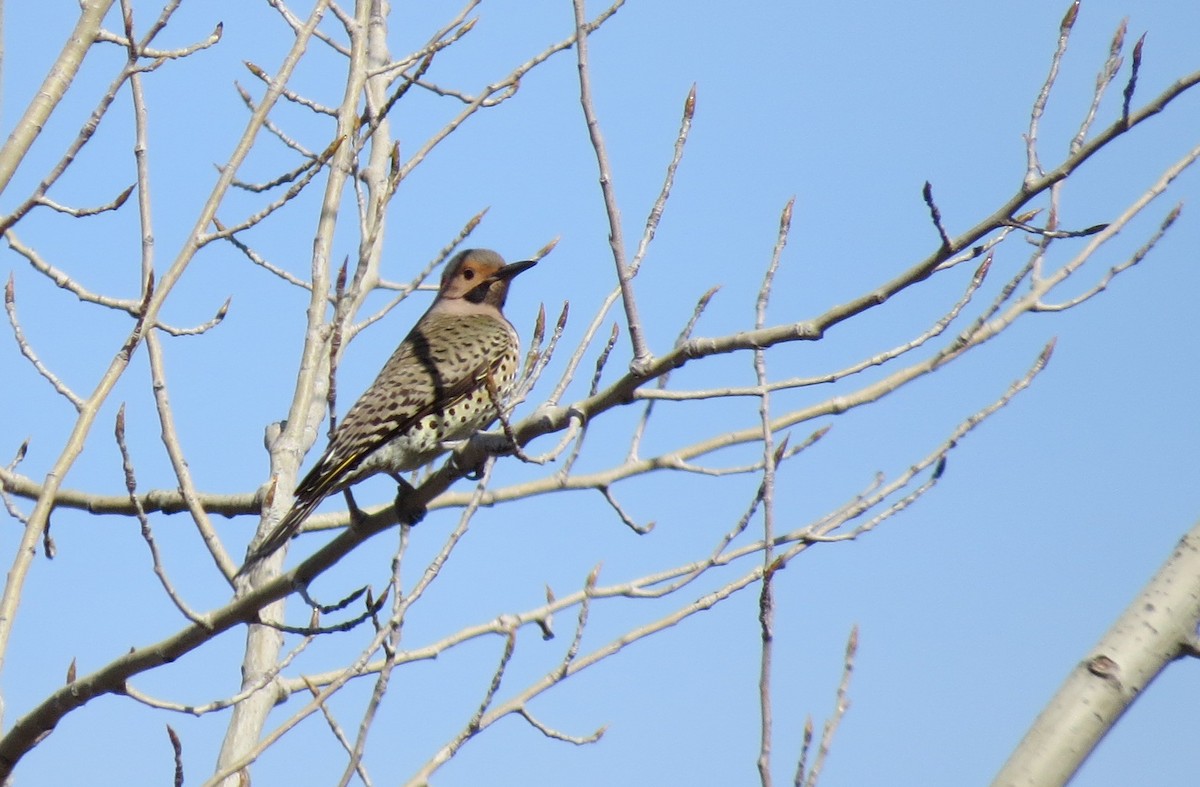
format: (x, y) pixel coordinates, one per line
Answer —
(469, 473)
(408, 511)
(492, 444)
(357, 515)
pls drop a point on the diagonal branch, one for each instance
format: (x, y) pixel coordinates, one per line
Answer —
(55, 85)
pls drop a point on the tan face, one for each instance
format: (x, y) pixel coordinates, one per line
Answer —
(479, 276)
(468, 271)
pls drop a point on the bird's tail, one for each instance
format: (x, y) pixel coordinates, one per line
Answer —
(283, 532)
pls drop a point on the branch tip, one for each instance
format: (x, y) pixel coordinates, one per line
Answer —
(123, 196)
(1068, 20)
(474, 220)
(331, 148)
(984, 267)
(127, 22)
(253, 69)
(785, 218)
(1047, 352)
(936, 215)
(340, 282)
(539, 324)
(1135, 67)
(1118, 41)
(781, 450)
(22, 449)
(177, 748)
(549, 247)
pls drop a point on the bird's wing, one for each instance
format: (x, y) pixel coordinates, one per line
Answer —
(417, 381)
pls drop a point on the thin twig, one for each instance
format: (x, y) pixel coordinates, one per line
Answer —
(553, 734)
(289, 94)
(270, 126)
(1108, 71)
(147, 533)
(212, 39)
(879, 359)
(602, 359)
(356, 765)
(766, 599)
(113, 204)
(1033, 169)
(10, 306)
(840, 707)
(656, 212)
(298, 26)
(503, 90)
(278, 203)
(259, 260)
(177, 748)
(639, 431)
(455, 29)
(935, 214)
(1127, 95)
(627, 520)
(616, 240)
(9, 505)
(415, 283)
(1129, 262)
(128, 305)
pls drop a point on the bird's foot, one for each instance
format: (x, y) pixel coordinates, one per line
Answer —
(469, 473)
(357, 515)
(408, 511)
(495, 443)
(492, 443)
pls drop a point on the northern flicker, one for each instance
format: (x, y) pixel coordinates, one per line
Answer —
(435, 388)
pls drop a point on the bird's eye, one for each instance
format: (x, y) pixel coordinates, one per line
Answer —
(468, 274)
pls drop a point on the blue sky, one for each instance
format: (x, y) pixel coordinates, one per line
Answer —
(972, 606)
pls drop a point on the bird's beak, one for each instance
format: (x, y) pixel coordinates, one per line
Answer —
(512, 269)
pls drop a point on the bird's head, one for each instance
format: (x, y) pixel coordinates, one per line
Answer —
(480, 276)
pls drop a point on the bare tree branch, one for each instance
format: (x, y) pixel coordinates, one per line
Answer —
(1157, 628)
(59, 78)
(641, 353)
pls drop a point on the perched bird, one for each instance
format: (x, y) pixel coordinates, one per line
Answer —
(435, 388)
